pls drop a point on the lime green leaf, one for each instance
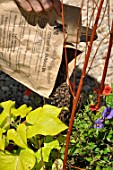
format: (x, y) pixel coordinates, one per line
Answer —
(21, 111)
(48, 110)
(45, 121)
(57, 165)
(52, 110)
(7, 105)
(19, 136)
(5, 115)
(24, 161)
(45, 151)
(2, 140)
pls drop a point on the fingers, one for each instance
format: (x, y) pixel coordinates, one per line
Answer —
(38, 5)
(46, 4)
(25, 5)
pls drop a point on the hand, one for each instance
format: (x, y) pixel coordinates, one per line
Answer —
(38, 5)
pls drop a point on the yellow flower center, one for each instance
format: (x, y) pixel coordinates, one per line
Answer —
(98, 125)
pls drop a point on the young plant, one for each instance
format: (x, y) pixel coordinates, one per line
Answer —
(27, 136)
(91, 144)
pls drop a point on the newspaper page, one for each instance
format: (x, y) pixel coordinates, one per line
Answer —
(31, 47)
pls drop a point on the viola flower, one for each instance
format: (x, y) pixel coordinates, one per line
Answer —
(99, 123)
(107, 90)
(107, 113)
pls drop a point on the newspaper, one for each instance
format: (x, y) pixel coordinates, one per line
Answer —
(31, 45)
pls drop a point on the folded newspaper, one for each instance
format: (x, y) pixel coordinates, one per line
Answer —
(31, 45)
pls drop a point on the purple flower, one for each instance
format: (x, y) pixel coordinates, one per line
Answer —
(99, 123)
(107, 113)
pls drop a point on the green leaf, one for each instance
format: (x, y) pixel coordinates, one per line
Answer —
(98, 156)
(108, 168)
(109, 137)
(98, 167)
(109, 100)
(2, 140)
(91, 145)
(45, 151)
(57, 165)
(5, 115)
(77, 151)
(24, 161)
(21, 111)
(7, 105)
(45, 121)
(89, 159)
(48, 110)
(106, 159)
(97, 150)
(106, 150)
(19, 136)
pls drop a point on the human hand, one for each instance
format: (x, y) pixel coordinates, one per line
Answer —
(38, 5)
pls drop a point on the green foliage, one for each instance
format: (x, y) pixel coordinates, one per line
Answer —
(26, 140)
(92, 147)
(46, 150)
(25, 160)
(45, 121)
(30, 140)
(18, 136)
(109, 100)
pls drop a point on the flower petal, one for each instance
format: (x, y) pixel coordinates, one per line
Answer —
(104, 113)
(111, 112)
(101, 125)
(93, 107)
(107, 90)
(98, 121)
(110, 116)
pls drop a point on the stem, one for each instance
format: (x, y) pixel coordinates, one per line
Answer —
(75, 100)
(39, 145)
(107, 59)
(75, 167)
(105, 66)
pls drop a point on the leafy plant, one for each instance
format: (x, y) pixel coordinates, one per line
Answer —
(27, 136)
(91, 145)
